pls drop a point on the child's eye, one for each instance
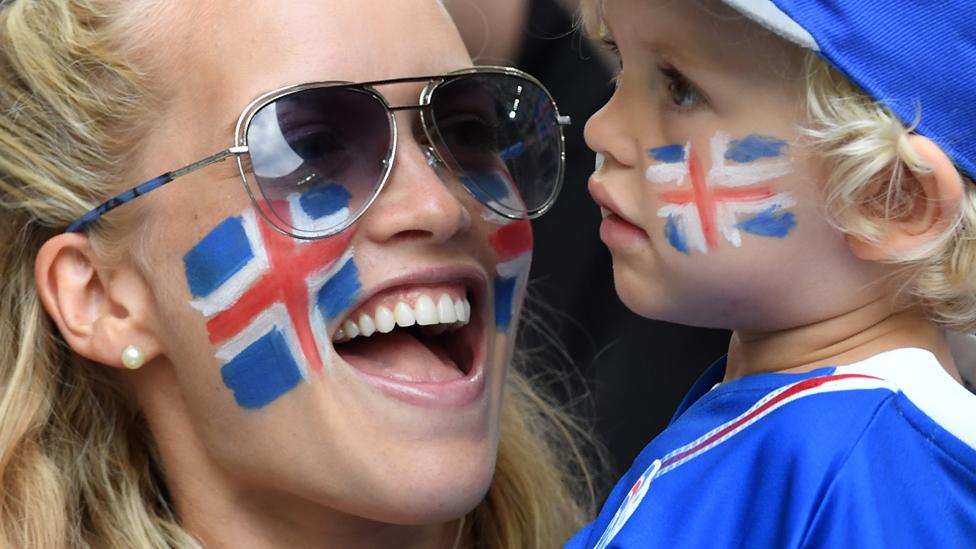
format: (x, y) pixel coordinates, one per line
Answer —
(684, 94)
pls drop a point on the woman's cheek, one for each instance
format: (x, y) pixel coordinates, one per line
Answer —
(268, 299)
(512, 244)
(510, 240)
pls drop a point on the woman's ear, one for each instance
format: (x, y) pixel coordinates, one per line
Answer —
(935, 204)
(100, 311)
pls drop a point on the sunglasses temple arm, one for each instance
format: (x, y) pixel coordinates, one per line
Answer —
(82, 222)
(222, 155)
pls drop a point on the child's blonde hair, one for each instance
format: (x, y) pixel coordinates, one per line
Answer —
(868, 153)
(869, 156)
(78, 464)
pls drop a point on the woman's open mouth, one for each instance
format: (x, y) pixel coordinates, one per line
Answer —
(424, 342)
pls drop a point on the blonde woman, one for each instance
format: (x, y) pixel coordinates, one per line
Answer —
(299, 334)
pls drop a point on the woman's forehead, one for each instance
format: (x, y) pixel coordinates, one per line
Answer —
(223, 56)
(278, 43)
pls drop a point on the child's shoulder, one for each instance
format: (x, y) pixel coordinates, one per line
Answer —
(910, 478)
(927, 406)
(879, 408)
(799, 455)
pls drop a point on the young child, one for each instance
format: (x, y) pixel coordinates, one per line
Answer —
(800, 172)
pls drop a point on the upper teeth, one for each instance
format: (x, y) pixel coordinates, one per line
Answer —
(425, 312)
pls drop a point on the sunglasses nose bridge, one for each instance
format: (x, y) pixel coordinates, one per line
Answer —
(423, 112)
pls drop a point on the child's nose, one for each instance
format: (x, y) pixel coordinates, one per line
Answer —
(608, 133)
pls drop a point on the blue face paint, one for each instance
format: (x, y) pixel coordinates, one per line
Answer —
(217, 258)
(512, 245)
(772, 222)
(504, 302)
(340, 292)
(669, 153)
(704, 205)
(514, 151)
(266, 297)
(324, 200)
(753, 147)
(487, 187)
(262, 372)
(675, 236)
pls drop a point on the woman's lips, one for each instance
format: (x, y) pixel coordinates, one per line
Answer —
(427, 354)
(444, 306)
(458, 394)
(399, 367)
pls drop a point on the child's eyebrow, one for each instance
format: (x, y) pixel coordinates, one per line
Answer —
(689, 57)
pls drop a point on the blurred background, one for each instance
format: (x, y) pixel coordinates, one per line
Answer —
(631, 372)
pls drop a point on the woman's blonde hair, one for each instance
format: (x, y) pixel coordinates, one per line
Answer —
(868, 156)
(78, 464)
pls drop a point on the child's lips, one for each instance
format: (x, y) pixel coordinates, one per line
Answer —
(606, 203)
(617, 232)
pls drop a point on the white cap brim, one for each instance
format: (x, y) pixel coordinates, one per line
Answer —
(768, 14)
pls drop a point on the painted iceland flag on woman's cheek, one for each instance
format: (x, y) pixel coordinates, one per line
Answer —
(268, 298)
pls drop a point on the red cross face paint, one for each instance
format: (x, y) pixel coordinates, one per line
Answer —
(512, 244)
(269, 298)
(732, 197)
(513, 247)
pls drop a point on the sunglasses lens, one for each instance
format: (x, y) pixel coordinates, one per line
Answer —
(500, 135)
(318, 157)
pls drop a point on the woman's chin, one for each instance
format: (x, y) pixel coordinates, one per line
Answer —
(434, 496)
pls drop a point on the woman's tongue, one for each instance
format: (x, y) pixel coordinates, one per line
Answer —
(400, 355)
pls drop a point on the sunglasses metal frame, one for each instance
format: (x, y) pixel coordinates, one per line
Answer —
(241, 148)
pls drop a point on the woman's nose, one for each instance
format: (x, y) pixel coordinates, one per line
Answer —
(416, 202)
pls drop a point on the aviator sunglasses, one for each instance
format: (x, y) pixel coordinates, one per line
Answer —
(313, 157)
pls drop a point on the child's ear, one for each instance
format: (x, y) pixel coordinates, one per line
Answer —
(937, 198)
(100, 311)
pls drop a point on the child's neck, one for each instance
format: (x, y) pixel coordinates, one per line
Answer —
(851, 337)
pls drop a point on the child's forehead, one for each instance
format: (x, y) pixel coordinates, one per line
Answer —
(692, 31)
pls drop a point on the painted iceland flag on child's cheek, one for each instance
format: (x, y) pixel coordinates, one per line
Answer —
(733, 197)
(268, 297)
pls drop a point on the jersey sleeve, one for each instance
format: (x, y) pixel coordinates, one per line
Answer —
(904, 484)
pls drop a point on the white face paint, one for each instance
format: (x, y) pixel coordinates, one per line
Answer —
(740, 197)
(598, 164)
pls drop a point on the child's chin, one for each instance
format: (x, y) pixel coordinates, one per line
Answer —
(642, 295)
(658, 303)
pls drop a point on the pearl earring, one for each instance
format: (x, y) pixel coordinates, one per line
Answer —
(133, 358)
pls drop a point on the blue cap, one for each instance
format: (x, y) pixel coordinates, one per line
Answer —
(917, 57)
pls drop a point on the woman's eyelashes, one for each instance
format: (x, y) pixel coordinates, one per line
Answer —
(681, 92)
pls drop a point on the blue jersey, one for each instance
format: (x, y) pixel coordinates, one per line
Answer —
(881, 453)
